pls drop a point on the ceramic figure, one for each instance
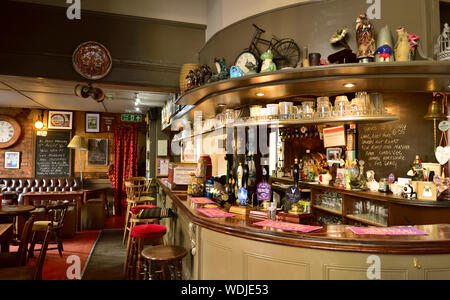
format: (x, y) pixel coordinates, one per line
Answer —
(222, 70)
(268, 64)
(385, 52)
(384, 36)
(442, 48)
(252, 68)
(402, 48)
(365, 37)
(236, 72)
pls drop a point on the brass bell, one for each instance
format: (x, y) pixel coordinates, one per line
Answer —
(434, 112)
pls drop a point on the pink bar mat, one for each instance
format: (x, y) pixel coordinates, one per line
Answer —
(287, 226)
(214, 213)
(201, 200)
(386, 231)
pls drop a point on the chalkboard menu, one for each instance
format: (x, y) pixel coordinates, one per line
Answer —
(52, 154)
(392, 147)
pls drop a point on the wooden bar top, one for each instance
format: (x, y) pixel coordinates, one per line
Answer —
(332, 237)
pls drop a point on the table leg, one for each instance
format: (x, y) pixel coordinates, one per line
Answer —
(79, 204)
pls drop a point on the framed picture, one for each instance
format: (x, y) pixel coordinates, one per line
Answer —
(97, 152)
(60, 119)
(92, 122)
(162, 167)
(12, 160)
(334, 155)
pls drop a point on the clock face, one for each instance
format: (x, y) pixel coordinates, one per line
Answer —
(6, 131)
(245, 58)
(9, 131)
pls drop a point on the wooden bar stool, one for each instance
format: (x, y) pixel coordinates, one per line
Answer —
(134, 198)
(148, 234)
(163, 262)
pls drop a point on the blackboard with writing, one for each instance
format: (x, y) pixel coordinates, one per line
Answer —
(392, 147)
(52, 154)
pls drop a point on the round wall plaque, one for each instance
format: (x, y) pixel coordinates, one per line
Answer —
(92, 60)
(444, 126)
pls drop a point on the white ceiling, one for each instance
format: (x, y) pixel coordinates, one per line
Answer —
(43, 93)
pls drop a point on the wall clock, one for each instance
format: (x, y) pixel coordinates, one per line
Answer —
(9, 131)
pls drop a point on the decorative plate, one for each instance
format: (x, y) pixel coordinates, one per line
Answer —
(92, 60)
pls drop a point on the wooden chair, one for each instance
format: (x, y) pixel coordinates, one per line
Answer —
(29, 272)
(19, 258)
(135, 197)
(57, 213)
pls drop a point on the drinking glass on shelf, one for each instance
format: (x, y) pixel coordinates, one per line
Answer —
(357, 107)
(323, 107)
(308, 109)
(341, 106)
(357, 209)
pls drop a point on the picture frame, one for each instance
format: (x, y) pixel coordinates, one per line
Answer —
(92, 122)
(12, 160)
(98, 152)
(162, 167)
(334, 155)
(60, 120)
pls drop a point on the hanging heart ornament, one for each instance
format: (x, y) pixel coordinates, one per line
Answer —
(443, 154)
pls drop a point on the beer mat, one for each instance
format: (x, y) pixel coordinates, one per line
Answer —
(287, 226)
(201, 200)
(386, 231)
(214, 213)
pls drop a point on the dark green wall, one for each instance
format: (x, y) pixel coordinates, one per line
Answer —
(39, 40)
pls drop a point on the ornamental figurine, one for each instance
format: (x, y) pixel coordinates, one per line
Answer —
(252, 68)
(365, 38)
(402, 48)
(442, 48)
(236, 72)
(222, 70)
(385, 52)
(268, 65)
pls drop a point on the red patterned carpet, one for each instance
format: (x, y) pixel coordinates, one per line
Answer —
(56, 268)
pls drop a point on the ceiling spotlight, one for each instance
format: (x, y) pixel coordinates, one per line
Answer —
(349, 85)
(260, 94)
(138, 109)
(221, 105)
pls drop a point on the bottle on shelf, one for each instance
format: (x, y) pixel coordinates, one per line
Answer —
(263, 189)
(251, 171)
(243, 191)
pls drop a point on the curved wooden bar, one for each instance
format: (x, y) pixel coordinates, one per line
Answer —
(334, 237)
(234, 248)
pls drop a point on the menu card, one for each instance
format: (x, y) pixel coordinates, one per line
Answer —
(386, 231)
(201, 200)
(214, 213)
(287, 226)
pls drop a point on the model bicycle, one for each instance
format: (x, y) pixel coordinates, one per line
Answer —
(285, 51)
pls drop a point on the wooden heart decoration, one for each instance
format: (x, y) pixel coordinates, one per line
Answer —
(443, 154)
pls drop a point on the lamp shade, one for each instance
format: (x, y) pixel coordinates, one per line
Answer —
(77, 142)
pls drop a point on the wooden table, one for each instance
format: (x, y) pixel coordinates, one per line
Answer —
(30, 198)
(6, 232)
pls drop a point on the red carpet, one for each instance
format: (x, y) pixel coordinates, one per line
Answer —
(55, 267)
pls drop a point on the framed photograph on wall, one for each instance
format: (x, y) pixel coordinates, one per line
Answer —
(92, 122)
(12, 160)
(97, 152)
(60, 120)
(162, 167)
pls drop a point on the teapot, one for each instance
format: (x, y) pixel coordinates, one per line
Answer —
(373, 186)
(325, 178)
(396, 189)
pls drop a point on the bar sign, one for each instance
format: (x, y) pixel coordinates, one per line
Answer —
(131, 118)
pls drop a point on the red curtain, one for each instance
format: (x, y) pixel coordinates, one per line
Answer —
(125, 163)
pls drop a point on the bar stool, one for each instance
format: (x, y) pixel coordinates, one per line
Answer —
(152, 234)
(167, 258)
(134, 198)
